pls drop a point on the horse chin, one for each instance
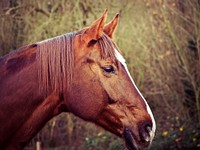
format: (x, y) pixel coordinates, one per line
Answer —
(131, 141)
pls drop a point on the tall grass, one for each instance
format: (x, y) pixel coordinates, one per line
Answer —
(161, 43)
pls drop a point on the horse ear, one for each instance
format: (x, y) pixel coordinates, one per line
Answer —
(111, 26)
(95, 31)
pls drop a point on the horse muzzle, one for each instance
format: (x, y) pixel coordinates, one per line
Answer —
(140, 140)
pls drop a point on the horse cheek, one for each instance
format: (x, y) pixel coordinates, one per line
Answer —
(87, 101)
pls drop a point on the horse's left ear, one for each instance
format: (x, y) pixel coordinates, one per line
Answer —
(111, 26)
(95, 31)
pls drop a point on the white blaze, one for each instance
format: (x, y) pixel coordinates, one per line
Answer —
(123, 62)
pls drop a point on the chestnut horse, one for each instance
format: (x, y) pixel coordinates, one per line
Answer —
(81, 72)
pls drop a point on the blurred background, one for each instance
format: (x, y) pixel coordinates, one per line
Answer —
(160, 40)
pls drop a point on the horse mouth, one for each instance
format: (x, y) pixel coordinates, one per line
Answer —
(132, 143)
(130, 140)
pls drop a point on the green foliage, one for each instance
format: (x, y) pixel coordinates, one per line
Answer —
(187, 137)
(101, 141)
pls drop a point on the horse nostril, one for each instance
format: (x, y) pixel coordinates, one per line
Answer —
(145, 132)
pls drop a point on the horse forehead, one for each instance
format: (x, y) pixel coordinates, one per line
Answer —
(120, 58)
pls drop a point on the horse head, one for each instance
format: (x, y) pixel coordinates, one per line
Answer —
(102, 90)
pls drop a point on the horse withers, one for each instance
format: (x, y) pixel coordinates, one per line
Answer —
(81, 72)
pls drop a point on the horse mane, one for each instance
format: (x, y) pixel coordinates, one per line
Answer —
(55, 60)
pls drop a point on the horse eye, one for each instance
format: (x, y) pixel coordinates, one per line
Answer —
(109, 69)
(92, 42)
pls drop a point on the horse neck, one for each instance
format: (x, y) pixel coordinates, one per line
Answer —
(20, 99)
(17, 78)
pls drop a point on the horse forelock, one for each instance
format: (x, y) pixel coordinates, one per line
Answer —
(107, 48)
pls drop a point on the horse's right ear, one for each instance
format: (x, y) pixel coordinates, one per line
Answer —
(111, 26)
(95, 31)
